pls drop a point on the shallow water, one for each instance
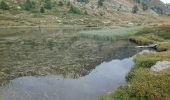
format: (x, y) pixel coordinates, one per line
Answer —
(106, 77)
(36, 64)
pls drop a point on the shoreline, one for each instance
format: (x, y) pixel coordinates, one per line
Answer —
(141, 79)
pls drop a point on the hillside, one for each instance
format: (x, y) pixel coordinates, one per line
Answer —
(94, 5)
(81, 12)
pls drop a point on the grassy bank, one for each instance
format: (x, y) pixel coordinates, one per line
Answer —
(144, 84)
(50, 19)
(153, 35)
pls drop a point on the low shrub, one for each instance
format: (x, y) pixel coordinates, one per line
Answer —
(74, 10)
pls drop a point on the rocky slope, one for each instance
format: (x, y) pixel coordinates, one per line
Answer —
(93, 6)
(90, 13)
(121, 5)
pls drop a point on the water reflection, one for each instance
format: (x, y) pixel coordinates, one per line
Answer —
(106, 77)
(28, 52)
(54, 52)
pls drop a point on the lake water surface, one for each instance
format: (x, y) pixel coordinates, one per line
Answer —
(105, 78)
(47, 50)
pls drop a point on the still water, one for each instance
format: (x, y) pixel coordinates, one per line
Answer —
(105, 78)
(31, 58)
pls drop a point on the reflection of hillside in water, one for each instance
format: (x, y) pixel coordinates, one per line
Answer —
(123, 49)
(27, 52)
(104, 78)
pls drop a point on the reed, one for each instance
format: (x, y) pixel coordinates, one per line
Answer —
(110, 34)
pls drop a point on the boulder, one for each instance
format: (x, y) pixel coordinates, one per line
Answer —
(160, 65)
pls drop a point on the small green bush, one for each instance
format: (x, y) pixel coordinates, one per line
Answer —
(29, 5)
(74, 10)
(60, 3)
(86, 1)
(144, 6)
(42, 10)
(4, 5)
(100, 2)
(47, 4)
(135, 9)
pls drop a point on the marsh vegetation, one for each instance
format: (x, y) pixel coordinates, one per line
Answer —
(33, 54)
(32, 51)
(142, 82)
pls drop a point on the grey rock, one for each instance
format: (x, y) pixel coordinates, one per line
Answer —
(160, 65)
(146, 52)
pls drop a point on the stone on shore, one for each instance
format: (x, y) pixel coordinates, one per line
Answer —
(160, 65)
